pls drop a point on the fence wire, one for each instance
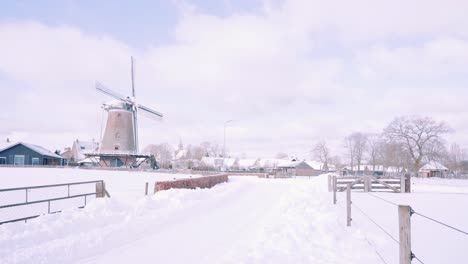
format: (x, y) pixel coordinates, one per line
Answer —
(375, 223)
(385, 200)
(393, 238)
(441, 223)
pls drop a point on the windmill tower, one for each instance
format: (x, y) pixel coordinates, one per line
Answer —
(119, 143)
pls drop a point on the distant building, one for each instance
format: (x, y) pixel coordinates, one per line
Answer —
(433, 169)
(211, 163)
(80, 148)
(21, 154)
(247, 164)
(298, 168)
(67, 154)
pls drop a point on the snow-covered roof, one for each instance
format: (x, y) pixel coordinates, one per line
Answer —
(80, 148)
(212, 161)
(36, 148)
(316, 165)
(87, 146)
(181, 153)
(288, 164)
(269, 163)
(247, 163)
(229, 162)
(433, 165)
(4, 145)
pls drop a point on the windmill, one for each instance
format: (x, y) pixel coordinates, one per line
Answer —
(119, 144)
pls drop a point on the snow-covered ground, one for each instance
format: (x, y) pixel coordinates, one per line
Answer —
(247, 220)
(124, 184)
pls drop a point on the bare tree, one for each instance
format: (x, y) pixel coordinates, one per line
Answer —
(356, 144)
(374, 148)
(211, 149)
(336, 160)
(417, 135)
(163, 153)
(393, 155)
(455, 158)
(349, 144)
(322, 153)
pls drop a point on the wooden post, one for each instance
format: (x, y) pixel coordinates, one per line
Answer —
(334, 189)
(402, 184)
(408, 183)
(366, 184)
(100, 189)
(404, 219)
(348, 204)
(329, 183)
(369, 186)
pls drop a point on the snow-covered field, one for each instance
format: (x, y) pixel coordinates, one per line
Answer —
(247, 220)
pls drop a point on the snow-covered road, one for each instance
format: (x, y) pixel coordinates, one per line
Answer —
(247, 220)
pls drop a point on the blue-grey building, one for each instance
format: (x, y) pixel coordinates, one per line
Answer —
(21, 154)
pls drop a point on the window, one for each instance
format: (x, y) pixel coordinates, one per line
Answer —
(35, 161)
(2, 160)
(116, 163)
(19, 160)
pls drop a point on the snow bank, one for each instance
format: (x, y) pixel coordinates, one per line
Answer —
(247, 220)
(243, 221)
(125, 184)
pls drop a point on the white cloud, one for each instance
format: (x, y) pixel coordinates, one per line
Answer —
(263, 69)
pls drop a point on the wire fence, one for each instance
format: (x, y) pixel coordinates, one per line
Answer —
(24, 203)
(393, 238)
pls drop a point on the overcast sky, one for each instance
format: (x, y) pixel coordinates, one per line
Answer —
(288, 72)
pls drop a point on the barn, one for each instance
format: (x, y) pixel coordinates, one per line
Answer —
(21, 154)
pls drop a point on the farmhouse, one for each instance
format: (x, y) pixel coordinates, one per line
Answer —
(21, 154)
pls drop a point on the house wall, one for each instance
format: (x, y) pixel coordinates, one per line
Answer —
(307, 172)
(10, 153)
(29, 154)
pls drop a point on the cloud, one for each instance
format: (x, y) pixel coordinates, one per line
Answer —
(267, 69)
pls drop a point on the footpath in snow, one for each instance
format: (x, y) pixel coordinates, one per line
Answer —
(247, 220)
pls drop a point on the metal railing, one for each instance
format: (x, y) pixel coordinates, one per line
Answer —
(23, 199)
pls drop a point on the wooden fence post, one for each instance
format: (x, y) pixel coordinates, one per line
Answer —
(100, 189)
(366, 184)
(369, 186)
(348, 204)
(404, 219)
(329, 183)
(334, 189)
(408, 183)
(146, 188)
(402, 183)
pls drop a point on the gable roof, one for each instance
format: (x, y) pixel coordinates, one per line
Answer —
(86, 146)
(41, 150)
(433, 165)
(288, 164)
